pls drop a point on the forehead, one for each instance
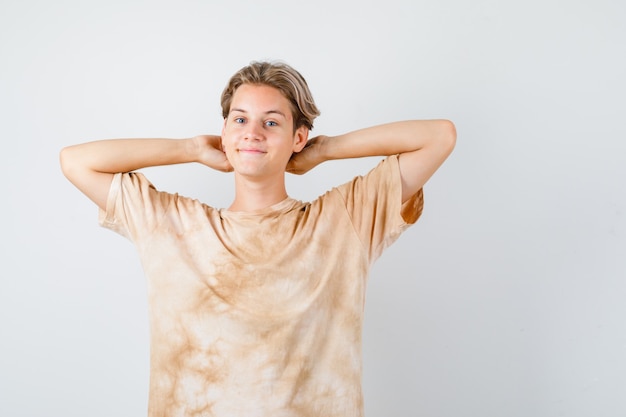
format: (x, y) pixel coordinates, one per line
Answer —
(260, 98)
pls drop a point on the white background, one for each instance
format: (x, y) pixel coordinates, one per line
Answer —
(508, 298)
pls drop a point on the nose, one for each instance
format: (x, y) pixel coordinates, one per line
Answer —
(253, 132)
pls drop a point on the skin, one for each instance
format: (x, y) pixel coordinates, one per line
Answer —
(258, 139)
(259, 144)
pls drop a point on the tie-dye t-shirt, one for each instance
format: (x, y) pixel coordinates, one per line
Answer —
(259, 313)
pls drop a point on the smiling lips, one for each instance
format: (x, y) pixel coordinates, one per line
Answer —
(251, 151)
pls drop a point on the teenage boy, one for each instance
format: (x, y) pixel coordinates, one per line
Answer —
(256, 310)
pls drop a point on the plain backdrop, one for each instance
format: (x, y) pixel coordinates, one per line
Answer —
(507, 298)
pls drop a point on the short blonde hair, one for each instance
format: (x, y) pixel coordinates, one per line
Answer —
(282, 77)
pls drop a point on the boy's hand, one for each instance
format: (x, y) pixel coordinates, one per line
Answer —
(208, 150)
(308, 158)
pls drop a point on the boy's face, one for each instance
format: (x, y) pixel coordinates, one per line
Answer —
(258, 135)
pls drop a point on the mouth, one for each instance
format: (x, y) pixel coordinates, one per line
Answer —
(251, 151)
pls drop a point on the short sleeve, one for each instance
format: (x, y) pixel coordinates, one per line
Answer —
(374, 203)
(133, 207)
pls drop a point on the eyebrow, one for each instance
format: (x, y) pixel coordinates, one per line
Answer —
(267, 112)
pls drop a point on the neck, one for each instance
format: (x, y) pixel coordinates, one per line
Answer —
(251, 195)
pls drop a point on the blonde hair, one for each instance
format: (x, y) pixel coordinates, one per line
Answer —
(282, 77)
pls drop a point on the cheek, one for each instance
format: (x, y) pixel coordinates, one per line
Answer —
(227, 140)
(225, 137)
(227, 149)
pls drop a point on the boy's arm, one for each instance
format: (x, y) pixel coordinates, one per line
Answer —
(91, 166)
(423, 145)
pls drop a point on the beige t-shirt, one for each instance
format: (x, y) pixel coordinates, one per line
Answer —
(259, 314)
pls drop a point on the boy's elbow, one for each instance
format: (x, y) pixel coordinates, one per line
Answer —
(448, 135)
(68, 161)
(64, 161)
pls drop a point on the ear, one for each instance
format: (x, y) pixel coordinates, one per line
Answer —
(222, 136)
(300, 138)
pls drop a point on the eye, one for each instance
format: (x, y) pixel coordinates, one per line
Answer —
(238, 120)
(271, 123)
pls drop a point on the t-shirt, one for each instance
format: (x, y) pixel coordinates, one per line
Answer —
(259, 313)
